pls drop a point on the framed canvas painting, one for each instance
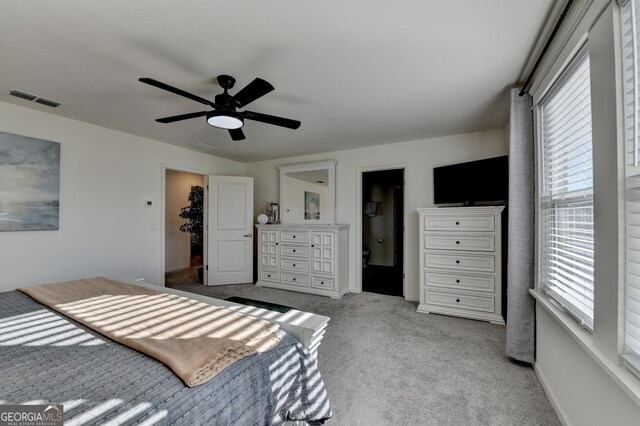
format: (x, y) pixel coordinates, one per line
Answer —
(29, 183)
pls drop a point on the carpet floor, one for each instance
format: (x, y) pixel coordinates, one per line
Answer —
(385, 364)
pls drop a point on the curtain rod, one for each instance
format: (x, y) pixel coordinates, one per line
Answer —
(525, 88)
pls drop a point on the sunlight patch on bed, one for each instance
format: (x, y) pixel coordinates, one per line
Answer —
(43, 328)
(91, 416)
(127, 415)
(23, 317)
(72, 403)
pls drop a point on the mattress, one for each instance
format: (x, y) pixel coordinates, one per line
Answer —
(47, 357)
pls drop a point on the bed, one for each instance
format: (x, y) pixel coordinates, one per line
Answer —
(48, 357)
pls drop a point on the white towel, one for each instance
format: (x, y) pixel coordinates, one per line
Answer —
(371, 208)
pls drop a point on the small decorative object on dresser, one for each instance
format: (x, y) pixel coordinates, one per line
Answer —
(461, 262)
(305, 258)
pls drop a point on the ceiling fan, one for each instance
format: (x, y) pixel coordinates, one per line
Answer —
(224, 114)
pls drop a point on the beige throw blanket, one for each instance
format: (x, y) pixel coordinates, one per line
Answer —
(196, 340)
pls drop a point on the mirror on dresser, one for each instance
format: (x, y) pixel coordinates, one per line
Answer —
(307, 193)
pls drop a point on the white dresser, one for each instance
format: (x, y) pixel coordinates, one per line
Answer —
(305, 258)
(461, 262)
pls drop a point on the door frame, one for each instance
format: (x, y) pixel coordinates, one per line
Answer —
(358, 221)
(163, 195)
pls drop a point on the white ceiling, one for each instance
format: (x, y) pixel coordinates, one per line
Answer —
(355, 73)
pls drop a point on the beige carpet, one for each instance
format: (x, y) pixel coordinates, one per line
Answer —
(385, 364)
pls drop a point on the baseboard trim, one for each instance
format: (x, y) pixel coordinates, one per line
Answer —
(562, 416)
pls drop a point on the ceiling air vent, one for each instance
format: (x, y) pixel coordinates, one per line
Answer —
(204, 146)
(30, 97)
(48, 102)
(22, 95)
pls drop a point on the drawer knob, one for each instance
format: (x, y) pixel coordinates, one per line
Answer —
(294, 264)
(276, 243)
(457, 223)
(311, 245)
(294, 236)
(268, 276)
(294, 279)
(457, 300)
(458, 281)
(457, 261)
(457, 242)
(321, 282)
(294, 251)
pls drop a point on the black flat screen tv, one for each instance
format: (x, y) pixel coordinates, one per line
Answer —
(473, 182)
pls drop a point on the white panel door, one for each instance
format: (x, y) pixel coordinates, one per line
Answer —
(230, 232)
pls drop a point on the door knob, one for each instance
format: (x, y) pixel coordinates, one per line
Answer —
(248, 235)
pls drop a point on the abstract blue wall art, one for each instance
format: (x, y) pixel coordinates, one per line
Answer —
(29, 183)
(311, 205)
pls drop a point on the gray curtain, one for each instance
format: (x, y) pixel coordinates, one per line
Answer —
(520, 304)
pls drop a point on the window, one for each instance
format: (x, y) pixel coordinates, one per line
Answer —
(566, 192)
(631, 67)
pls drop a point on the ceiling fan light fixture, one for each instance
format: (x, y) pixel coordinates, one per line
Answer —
(225, 119)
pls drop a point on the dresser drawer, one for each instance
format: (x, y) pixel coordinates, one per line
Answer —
(460, 223)
(295, 264)
(459, 242)
(299, 280)
(460, 261)
(270, 276)
(294, 237)
(296, 251)
(451, 280)
(462, 301)
(325, 283)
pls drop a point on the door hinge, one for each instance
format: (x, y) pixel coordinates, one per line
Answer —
(403, 277)
(207, 187)
(207, 267)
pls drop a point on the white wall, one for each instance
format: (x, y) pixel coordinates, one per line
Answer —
(419, 156)
(581, 391)
(177, 246)
(104, 227)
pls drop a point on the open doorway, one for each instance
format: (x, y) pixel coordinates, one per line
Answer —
(184, 238)
(383, 231)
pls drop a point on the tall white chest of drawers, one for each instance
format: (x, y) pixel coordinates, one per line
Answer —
(461, 262)
(305, 258)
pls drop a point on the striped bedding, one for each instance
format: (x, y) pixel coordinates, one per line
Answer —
(47, 357)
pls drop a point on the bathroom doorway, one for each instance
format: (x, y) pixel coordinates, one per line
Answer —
(383, 231)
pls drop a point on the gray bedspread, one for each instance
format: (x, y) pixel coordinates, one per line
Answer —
(46, 357)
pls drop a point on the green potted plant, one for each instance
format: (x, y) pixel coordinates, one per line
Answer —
(193, 213)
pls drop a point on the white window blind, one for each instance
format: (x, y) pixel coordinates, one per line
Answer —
(631, 68)
(566, 192)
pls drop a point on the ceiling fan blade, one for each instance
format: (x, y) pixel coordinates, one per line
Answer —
(182, 117)
(236, 134)
(252, 91)
(177, 91)
(271, 119)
